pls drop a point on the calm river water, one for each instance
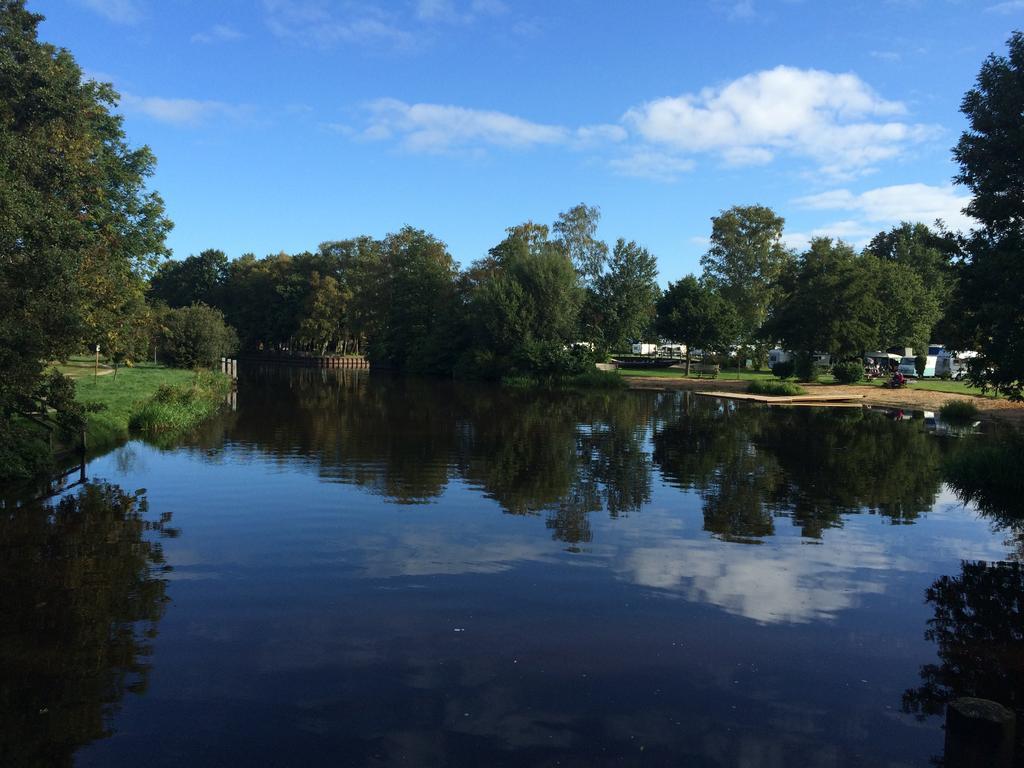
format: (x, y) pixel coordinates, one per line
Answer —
(356, 570)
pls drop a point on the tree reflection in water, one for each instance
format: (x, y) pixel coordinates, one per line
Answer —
(566, 455)
(82, 595)
(754, 465)
(979, 630)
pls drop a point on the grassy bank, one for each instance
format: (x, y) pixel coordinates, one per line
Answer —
(775, 388)
(928, 385)
(589, 380)
(679, 373)
(149, 398)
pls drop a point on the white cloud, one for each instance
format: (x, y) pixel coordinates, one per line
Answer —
(649, 164)
(836, 120)
(451, 12)
(886, 55)
(593, 135)
(438, 128)
(1011, 6)
(117, 11)
(900, 202)
(736, 10)
(315, 22)
(869, 212)
(219, 33)
(784, 582)
(180, 112)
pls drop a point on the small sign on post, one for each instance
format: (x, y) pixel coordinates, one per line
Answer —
(96, 367)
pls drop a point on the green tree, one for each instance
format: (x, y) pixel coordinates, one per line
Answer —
(746, 260)
(694, 313)
(991, 158)
(525, 311)
(324, 314)
(627, 293)
(830, 303)
(414, 303)
(75, 217)
(907, 310)
(576, 233)
(195, 336)
(931, 254)
(197, 279)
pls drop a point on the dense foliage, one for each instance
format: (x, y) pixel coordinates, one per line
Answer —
(79, 232)
(194, 336)
(991, 158)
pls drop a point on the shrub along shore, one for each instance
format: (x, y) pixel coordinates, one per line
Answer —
(150, 400)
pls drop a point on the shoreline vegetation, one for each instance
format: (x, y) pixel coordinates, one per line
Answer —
(539, 309)
(909, 398)
(149, 400)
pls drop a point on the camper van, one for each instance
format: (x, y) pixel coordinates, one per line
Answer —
(775, 356)
(643, 348)
(958, 363)
(937, 362)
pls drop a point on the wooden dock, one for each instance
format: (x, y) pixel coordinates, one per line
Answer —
(309, 361)
(824, 400)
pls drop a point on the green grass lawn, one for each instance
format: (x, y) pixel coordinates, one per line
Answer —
(121, 396)
(938, 385)
(678, 373)
(932, 385)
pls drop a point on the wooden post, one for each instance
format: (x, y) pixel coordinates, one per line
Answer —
(96, 366)
(979, 734)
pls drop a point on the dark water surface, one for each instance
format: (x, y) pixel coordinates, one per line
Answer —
(357, 570)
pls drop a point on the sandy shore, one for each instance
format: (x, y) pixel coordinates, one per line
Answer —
(908, 398)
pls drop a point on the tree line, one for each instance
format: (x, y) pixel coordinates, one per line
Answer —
(82, 249)
(543, 303)
(543, 300)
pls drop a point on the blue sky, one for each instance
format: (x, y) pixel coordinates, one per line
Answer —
(279, 124)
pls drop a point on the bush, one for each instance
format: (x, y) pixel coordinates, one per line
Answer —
(848, 373)
(804, 368)
(920, 363)
(775, 388)
(177, 410)
(785, 370)
(959, 411)
(196, 336)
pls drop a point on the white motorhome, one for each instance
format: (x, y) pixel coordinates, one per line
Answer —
(643, 348)
(958, 363)
(821, 359)
(937, 362)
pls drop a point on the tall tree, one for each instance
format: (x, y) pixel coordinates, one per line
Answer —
(75, 215)
(694, 313)
(932, 255)
(323, 321)
(831, 304)
(525, 310)
(198, 278)
(415, 300)
(907, 310)
(576, 232)
(991, 158)
(627, 293)
(746, 260)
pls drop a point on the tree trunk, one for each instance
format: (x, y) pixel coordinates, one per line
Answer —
(687, 361)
